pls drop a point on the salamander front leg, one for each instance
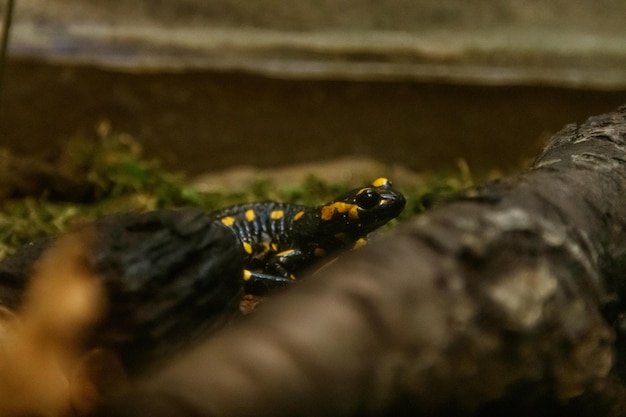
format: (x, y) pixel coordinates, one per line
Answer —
(260, 283)
(276, 273)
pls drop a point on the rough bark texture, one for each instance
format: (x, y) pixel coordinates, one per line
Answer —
(503, 300)
(170, 277)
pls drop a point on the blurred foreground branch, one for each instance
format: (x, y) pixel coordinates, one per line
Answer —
(508, 299)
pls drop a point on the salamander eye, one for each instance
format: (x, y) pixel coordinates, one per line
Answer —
(367, 199)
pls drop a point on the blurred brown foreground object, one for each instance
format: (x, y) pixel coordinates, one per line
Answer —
(42, 343)
(505, 302)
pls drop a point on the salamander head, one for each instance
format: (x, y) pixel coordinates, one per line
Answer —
(362, 210)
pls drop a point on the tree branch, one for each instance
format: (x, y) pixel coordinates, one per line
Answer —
(509, 295)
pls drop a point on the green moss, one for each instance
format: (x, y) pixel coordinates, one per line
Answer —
(119, 178)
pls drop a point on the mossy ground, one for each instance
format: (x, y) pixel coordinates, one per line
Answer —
(113, 175)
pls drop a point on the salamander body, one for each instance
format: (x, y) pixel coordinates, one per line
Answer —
(279, 239)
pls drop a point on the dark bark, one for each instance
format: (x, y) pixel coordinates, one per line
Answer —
(171, 277)
(15, 271)
(507, 299)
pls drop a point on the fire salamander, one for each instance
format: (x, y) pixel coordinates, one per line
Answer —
(280, 239)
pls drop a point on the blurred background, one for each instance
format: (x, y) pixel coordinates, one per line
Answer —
(210, 84)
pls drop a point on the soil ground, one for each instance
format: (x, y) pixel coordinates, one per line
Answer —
(204, 121)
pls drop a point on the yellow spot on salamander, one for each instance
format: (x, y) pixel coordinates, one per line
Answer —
(250, 215)
(285, 252)
(319, 252)
(246, 275)
(228, 220)
(274, 247)
(380, 182)
(329, 210)
(359, 243)
(247, 247)
(292, 276)
(276, 214)
(298, 215)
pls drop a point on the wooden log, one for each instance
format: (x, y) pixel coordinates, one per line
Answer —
(505, 299)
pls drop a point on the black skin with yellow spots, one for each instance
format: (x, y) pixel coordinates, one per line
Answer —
(280, 239)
